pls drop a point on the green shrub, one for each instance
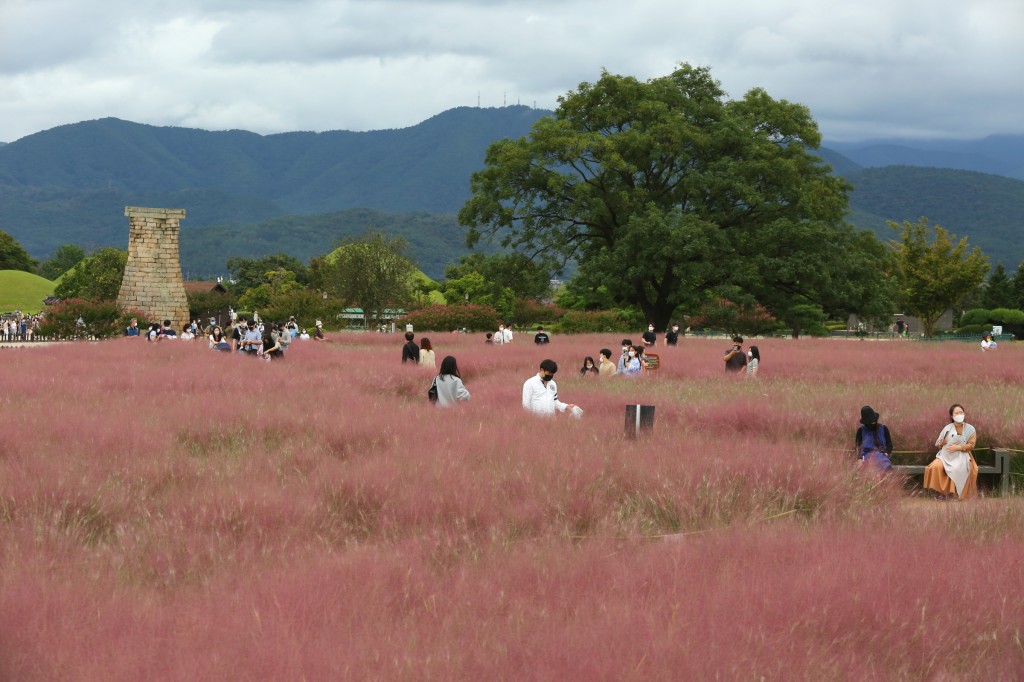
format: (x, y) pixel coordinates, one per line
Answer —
(974, 329)
(593, 321)
(448, 317)
(724, 315)
(307, 307)
(78, 318)
(527, 313)
(975, 316)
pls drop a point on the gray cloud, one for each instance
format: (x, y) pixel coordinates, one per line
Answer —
(872, 69)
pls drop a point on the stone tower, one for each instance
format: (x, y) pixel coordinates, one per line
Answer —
(152, 277)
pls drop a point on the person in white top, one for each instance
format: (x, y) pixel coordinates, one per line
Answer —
(987, 343)
(499, 336)
(427, 354)
(540, 392)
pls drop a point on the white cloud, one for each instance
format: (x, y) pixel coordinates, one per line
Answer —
(869, 69)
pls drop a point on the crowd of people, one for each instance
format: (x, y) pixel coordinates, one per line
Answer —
(18, 326)
(249, 336)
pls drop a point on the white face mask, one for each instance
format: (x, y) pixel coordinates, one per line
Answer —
(632, 353)
(750, 354)
(958, 418)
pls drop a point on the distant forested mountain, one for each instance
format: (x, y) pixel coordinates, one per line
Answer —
(435, 239)
(988, 209)
(996, 154)
(248, 194)
(71, 183)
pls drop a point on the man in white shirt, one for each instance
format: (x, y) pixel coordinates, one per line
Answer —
(540, 393)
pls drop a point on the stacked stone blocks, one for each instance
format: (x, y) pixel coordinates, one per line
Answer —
(152, 277)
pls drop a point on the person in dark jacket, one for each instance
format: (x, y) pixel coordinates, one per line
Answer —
(410, 351)
(873, 442)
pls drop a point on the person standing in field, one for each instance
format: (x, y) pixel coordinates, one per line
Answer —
(627, 345)
(133, 328)
(735, 358)
(605, 368)
(318, 332)
(954, 471)
(633, 364)
(649, 337)
(540, 392)
(753, 362)
(541, 337)
(672, 336)
(450, 389)
(873, 442)
(427, 354)
(589, 369)
(410, 351)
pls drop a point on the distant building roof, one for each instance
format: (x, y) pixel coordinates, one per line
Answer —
(203, 287)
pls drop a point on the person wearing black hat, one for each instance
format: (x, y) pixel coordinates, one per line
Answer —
(874, 444)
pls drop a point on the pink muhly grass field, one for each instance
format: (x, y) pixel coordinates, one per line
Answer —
(168, 512)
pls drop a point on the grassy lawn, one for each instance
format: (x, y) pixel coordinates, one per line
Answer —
(23, 291)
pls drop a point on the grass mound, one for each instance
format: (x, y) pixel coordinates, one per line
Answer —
(23, 291)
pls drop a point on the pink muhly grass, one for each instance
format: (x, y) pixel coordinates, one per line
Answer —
(167, 512)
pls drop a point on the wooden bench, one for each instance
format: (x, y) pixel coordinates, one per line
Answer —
(1000, 467)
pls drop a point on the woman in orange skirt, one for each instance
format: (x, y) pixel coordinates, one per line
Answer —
(954, 471)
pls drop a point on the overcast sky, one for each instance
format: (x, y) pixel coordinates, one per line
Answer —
(867, 69)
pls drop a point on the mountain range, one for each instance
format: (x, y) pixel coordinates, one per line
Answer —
(248, 194)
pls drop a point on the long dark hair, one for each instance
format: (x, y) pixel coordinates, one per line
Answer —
(755, 354)
(425, 344)
(449, 366)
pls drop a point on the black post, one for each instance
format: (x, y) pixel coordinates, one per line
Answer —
(639, 420)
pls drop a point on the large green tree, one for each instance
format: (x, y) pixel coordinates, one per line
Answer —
(13, 256)
(64, 258)
(937, 272)
(371, 272)
(998, 290)
(250, 273)
(496, 280)
(1017, 288)
(97, 278)
(664, 190)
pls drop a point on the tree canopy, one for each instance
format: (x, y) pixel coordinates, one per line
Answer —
(371, 272)
(97, 278)
(64, 258)
(664, 190)
(934, 274)
(13, 256)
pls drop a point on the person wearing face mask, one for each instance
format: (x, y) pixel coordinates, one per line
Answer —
(672, 336)
(627, 345)
(954, 471)
(753, 360)
(634, 364)
(606, 368)
(649, 336)
(588, 369)
(540, 393)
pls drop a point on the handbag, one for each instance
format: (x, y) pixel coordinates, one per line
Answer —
(432, 391)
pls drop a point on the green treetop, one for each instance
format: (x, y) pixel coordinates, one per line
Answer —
(663, 190)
